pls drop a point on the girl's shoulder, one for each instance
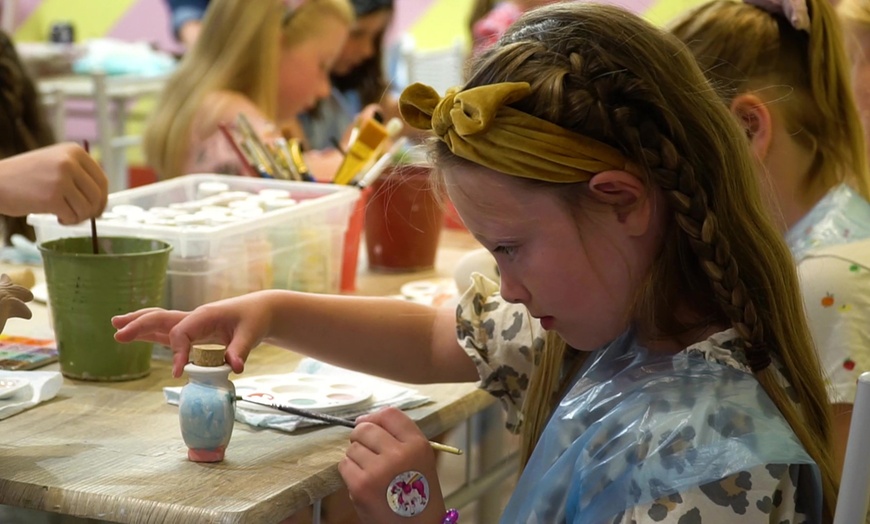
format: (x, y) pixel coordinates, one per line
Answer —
(502, 340)
(224, 107)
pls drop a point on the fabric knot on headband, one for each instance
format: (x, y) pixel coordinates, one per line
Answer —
(795, 11)
(479, 125)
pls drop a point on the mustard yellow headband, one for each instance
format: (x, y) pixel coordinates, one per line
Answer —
(478, 125)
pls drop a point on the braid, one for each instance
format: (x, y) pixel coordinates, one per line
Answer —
(611, 107)
(698, 222)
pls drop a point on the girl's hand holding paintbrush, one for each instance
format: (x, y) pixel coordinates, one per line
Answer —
(384, 445)
(61, 179)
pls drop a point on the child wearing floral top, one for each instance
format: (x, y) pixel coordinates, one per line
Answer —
(789, 87)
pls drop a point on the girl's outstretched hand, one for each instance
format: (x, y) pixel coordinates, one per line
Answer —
(239, 323)
(384, 445)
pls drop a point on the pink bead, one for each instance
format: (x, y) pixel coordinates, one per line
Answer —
(451, 517)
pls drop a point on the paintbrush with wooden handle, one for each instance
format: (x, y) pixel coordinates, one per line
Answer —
(338, 421)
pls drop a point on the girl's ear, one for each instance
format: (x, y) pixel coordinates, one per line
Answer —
(755, 118)
(627, 195)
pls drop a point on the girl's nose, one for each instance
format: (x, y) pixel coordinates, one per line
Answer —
(512, 290)
(324, 87)
(367, 49)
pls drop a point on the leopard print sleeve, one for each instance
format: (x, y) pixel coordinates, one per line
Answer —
(767, 493)
(504, 342)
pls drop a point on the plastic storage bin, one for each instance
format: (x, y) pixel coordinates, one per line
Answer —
(279, 245)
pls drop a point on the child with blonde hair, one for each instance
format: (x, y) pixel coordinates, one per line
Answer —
(647, 338)
(782, 69)
(268, 60)
(855, 16)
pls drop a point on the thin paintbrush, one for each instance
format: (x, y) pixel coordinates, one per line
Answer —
(246, 162)
(338, 421)
(95, 243)
(258, 148)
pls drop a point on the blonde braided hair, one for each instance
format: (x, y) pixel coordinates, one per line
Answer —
(602, 72)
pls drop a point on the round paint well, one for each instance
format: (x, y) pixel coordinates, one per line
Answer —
(259, 395)
(320, 393)
(294, 389)
(340, 396)
(302, 401)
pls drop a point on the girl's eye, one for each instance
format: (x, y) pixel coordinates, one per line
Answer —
(506, 250)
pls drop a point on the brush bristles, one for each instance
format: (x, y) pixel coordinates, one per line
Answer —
(371, 134)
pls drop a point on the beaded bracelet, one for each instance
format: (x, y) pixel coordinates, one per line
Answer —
(451, 517)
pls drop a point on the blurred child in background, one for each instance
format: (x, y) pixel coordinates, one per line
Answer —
(491, 18)
(186, 19)
(357, 78)
(782, 70)
(267, 60)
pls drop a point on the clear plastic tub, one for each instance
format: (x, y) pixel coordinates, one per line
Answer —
(221, 251)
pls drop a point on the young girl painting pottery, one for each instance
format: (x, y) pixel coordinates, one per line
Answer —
(647, 338)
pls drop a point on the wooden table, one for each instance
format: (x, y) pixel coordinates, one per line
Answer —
(113, 451)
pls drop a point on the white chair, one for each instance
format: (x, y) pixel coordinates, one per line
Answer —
(440, 68)
(54, 104)
(111, 97)
(855, 484)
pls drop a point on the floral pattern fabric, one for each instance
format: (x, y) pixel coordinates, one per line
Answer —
(831, 245)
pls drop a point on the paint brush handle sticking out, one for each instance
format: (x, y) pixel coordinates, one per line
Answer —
(94, 241)
(381, 165)
(337, 421)
(360, 151)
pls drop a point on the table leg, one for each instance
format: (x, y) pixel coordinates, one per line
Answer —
(489, 439)
(315, 518)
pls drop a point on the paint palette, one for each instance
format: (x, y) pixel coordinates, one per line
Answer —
(317, 393)
(10, 386)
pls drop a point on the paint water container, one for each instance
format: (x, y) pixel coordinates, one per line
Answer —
(207, 404)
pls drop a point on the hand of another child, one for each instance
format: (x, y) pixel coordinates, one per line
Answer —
(62, 179)
(239, 323)
(384, 445)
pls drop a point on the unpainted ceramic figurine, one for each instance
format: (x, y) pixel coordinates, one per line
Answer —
(12, 301)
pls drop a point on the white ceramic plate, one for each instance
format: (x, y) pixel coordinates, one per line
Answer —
(318, 393)
(11, 386)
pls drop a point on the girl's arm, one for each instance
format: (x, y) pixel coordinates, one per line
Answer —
(380, 336)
